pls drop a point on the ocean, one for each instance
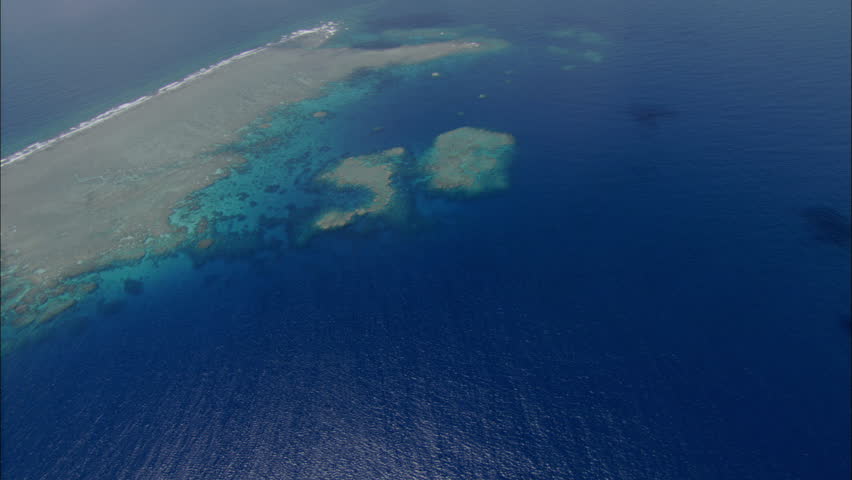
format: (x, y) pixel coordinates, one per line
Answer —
(662, 292)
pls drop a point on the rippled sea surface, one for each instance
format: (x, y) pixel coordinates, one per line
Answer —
(662, 293)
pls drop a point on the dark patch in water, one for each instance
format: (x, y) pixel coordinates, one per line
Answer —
(650, 115)
(111, 308)
(78, 325)
(133, 287)
(829, 225)
(272, 188)
(378, 80)
(210, 279)
(268, 223)
(243, 168)
(411, 20)
(297, 161)
(234, 247)
(242, 196)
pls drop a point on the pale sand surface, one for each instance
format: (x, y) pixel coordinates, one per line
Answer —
(106, 194)
(372, 172)
(469, 160)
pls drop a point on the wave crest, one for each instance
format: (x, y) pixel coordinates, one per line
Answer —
(322, 33)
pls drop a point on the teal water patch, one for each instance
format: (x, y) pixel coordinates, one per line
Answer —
(258, 203)
(287, 149)
(284, 151)
(102, 293)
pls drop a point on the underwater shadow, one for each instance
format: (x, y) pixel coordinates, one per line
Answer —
(828, 225)
(650, 115)
(108, 309)
(133, 287)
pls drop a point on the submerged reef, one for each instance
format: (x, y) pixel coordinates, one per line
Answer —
(366, 36)
(107, 195)
(469, 161)
(578, 45)
(410, 21)
(587, 55)
(580, 35)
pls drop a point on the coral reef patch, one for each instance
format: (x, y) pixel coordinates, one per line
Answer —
(469, 161)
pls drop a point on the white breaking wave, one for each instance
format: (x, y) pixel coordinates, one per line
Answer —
(325, 31)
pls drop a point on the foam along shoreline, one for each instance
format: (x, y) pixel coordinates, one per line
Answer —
(321, 33)
(105, 193)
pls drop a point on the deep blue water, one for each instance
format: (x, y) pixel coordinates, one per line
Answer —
(649, 300)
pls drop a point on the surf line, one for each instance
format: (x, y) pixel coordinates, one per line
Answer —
(327, 30)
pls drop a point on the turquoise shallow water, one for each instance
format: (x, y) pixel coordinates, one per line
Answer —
(663, 292)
